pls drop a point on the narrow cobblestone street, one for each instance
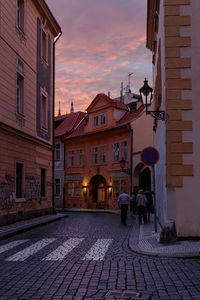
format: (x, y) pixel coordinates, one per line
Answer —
(86, 256)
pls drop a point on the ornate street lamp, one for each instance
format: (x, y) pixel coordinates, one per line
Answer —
(146, 93)
(122, 166)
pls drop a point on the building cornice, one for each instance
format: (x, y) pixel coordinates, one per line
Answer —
(46, 12)
(95, 133)
(25, 136)
(151, 9)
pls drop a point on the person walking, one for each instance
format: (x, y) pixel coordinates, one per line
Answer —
(123, 200)
(141, 202)
(149, 205)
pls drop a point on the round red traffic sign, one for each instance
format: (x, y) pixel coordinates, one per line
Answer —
(149, 156)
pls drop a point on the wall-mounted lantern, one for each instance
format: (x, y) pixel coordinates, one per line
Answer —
(109, 190)
(84, 187)
(122, 165)
(146, 93)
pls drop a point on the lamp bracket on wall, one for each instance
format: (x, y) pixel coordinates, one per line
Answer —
(157, 114)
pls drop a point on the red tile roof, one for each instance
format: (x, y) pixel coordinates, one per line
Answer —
(113, 102)
(126, 119)
(70, 121)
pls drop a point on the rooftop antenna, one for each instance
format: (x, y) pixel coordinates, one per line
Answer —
(129, 75)
(59, 112)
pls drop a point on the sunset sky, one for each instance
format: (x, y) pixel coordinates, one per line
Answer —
(102, 42)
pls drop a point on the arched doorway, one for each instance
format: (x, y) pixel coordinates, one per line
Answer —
(145, 179)
(97, 188)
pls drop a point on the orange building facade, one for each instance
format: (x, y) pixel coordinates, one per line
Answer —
(93, 151)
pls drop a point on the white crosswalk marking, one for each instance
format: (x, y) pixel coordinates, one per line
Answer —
(11, 245)
(64, 249)
(24, 254)
(98, 250)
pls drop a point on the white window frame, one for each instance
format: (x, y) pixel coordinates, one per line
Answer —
(119, 185)
(103, 119)
(95, 154)
(102, 154)
(116, 152)
(79, 157)
(74, 189)
(71, 158)
(96, 121)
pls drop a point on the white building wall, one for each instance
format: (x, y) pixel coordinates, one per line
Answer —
(188, 214)
(160, 136)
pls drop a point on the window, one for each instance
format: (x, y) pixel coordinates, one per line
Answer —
(79, 157)
(57, 187)
(71, 158)
(57, 152)
(119, 186)
(116, 188)
(103, 119)
(20, 14)
(19, 180)
(43, 182)
(20, 94)
(124, 150)
(44, 45)
(116, 152)
(99, 119)
(119, 151)
(102, 158)
(74, 189)
(95, 155)
(43, 112)
(96, 119)
(124, 186)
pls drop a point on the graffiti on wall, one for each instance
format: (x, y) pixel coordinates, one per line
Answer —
(6, 192)
(32, 188)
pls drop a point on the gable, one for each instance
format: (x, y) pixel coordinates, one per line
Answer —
(100, 102)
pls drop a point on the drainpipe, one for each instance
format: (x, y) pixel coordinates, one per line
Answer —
(131, 157)
(53, 125)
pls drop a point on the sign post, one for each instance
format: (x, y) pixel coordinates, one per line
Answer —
(149, 157)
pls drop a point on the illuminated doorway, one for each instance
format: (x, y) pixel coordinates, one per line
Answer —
(97, 192)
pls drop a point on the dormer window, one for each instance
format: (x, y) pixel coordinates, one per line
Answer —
(96, 118)
(99, 120)
(103, 119)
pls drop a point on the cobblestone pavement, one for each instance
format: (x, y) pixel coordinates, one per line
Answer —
(86, 256)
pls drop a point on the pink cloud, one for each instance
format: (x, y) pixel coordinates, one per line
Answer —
(102, 42)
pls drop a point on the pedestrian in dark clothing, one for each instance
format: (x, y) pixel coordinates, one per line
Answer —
(141, 202)
(148, 195)
(135, 192)
(123, 202)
